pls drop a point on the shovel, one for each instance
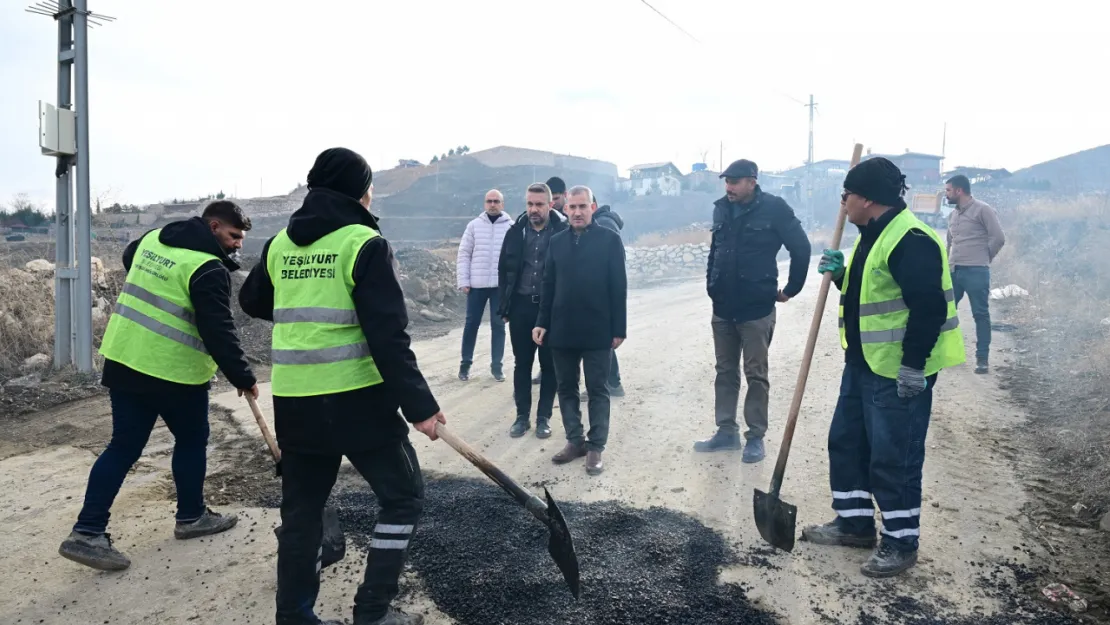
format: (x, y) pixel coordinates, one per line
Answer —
(559, 542)
(775, 518)
(334, 544)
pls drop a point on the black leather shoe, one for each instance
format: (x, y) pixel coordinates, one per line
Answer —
(464, 372)
(719, 442)
(520, 427)
(833, 535)
(888, 562)
(543, 428)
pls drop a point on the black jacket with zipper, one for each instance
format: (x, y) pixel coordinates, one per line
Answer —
(742, 273)
(605, 217)
(585, 290)
(511, 260)
(365, 418)
(210, 292)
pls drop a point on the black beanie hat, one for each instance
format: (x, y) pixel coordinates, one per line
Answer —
(878, 180)
(342, 171)
(556, 185)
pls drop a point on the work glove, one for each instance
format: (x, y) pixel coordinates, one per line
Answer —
(832, 261)
(911, 382)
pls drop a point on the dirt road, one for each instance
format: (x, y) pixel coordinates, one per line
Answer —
(973, 524)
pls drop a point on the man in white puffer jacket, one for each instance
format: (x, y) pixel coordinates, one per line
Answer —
(476, 267)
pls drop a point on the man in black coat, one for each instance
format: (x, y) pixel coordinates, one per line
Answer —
(583, 318)
(749, 229)
(315, 430)
(520, 271)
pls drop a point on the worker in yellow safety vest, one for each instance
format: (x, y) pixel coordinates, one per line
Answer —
(898, 327)
(171, 329)
(342, 368)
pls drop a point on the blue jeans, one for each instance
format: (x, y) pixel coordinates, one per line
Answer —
(976, 282)
(133, 418)
(476, 301)
(876, 451)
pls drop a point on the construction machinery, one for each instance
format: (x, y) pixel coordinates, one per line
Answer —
(927, 208)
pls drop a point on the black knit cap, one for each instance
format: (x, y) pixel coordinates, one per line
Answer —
(556, 185)
(341, 170)
(878, 180)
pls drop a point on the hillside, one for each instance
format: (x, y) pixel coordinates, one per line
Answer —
(1082, 172)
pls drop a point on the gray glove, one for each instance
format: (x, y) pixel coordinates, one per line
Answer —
(910, 382)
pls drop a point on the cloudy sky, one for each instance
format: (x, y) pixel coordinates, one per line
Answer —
(190, 98)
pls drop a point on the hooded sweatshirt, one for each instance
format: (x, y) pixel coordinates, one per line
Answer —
(210, 291)
(364, 418)
(606, 218)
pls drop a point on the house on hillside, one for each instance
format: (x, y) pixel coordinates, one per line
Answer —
(702, 180)
(918, 167)
(653, 179)
(406, 163)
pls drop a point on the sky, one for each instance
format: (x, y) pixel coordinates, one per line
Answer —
(189, 99)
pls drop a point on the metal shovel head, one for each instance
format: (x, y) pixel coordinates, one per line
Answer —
(561, 546)
(775, 519)
(333, 542)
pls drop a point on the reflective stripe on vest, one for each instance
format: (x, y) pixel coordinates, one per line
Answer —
(153, 328)
(318, 347)
(883, 313)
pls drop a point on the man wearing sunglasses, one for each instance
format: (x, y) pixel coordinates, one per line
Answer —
(476, 268)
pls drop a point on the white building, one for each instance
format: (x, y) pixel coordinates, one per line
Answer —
(653, 179)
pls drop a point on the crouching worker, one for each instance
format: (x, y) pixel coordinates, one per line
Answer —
(171, 329)
(899, 328)
(342, 367)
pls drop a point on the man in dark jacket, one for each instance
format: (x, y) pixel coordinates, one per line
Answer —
(583, 318)
(558, 190)
(172, 327)
(607, 218)
(520, 271)
(343, 367)
(749, 229)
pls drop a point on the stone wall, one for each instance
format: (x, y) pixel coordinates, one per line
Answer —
(649, 264)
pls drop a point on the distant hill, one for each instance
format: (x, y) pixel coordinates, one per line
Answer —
(1082, 172)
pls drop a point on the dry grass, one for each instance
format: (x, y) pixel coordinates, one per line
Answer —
(681, 237)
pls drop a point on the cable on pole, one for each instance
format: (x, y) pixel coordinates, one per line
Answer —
(669, 20)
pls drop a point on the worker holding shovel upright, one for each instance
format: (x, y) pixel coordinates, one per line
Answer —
(342, 367)
(899, 328)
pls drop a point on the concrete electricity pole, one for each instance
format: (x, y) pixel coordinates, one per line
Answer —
(812, 106)
(64, 134)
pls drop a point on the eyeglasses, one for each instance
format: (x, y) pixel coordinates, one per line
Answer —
(844, 197)
(493, 201)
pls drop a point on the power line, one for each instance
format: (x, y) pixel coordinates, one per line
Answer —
(672, 23)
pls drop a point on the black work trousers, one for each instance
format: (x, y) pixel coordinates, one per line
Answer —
(523, 313)
(307, 479)
(594, 363)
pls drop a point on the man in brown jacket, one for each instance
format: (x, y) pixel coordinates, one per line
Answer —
(974, 238)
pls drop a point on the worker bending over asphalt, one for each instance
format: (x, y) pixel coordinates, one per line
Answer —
(171, 329)
(342, 366)
(898, 327)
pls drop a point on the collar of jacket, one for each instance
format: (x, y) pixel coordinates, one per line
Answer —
(502, 217)
(324, 211)
(875, 227)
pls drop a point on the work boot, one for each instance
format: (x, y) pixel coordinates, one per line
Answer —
(719, 442)
(753, 451)
(981, 367)
(464, 372)
(616, 391)
(833, 535)
(543, 427)
(209, 523)
(497, 374)
(593, 463)
(887, 561)
(394, 617)
(520, 426)
(569, 453)
(93, 551)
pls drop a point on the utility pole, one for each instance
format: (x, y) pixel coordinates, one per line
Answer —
(812, 106)
(64, 134)
(721, 158)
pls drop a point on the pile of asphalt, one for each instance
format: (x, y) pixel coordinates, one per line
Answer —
(483, 560)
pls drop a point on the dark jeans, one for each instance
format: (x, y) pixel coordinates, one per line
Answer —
(133, 419)
(595, 365)
(307, 479)
(476, 301)
(522, 319)
(877, 449)
(750, 340)
(614, 371)
(976, 282)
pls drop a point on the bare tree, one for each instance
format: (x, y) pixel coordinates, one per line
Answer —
(103, 197)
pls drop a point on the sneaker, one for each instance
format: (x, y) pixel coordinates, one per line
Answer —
(93, 551)
(719, 442)
(497, 374)
(569, 453)
(887, 561)
(464, 372)
(981, 367)
(209, 523)
(616, 391)
(593, 463)
(833, 535)
(520, 426)
(394, 617)
(753, 451)
(543, 427)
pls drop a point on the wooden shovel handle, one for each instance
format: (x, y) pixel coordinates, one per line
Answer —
(262, 425)
(811, 343)
(524, 497)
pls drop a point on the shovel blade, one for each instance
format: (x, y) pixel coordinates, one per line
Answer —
(561, 546)
(775, 519)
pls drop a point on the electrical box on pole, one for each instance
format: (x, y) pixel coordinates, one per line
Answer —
(57, 130)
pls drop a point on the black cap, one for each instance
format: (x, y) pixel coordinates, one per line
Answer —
(741, 169)
(341, 170)
(878, 180)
